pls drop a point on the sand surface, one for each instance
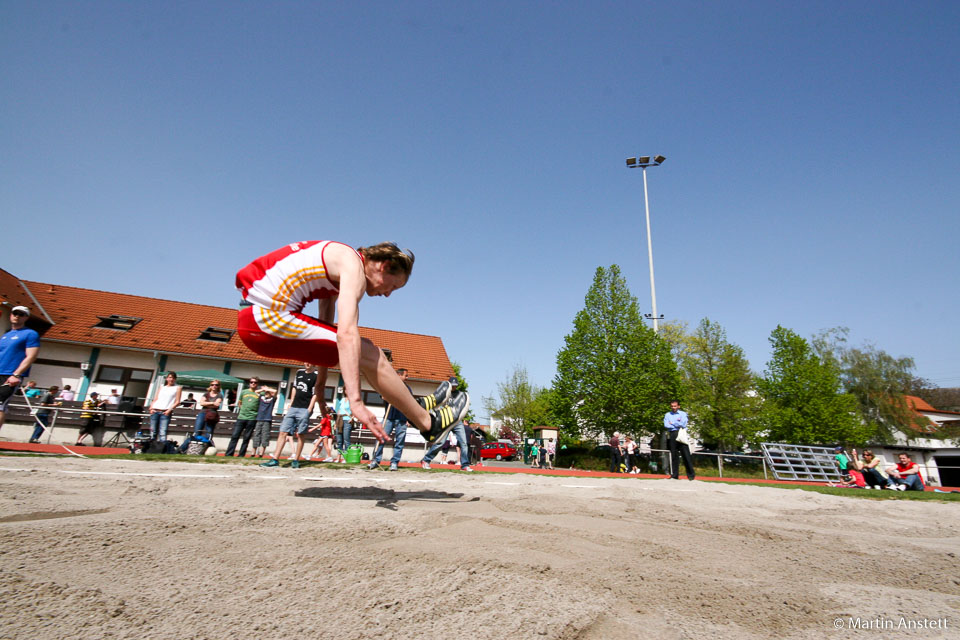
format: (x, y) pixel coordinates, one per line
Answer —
(91, 550)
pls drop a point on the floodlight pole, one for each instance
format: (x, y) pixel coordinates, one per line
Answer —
(643, 162)
(653, 287)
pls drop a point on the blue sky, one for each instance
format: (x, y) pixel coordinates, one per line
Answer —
(811, 180)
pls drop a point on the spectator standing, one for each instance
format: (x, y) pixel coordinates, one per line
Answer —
(841, 458)
(19, 347)
(211, 400)
(673, 421)
(395, 426)
(113, 399)
(43, 413)
(67, 394)
(344, 420)
(248, 403)
(460, 434)
(906, 474)
(551, 452)
(615, 452)
(166, 400)
(207, 416)
(630, 452)
(534, 455)
(261, 433)
(324, 441)
(91, 420)
(296, 420)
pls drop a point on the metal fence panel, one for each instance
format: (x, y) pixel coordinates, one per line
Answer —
(800, 462)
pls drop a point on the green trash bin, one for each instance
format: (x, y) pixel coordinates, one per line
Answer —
(353, 454)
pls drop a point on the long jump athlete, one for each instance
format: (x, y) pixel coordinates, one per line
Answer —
(277, 287)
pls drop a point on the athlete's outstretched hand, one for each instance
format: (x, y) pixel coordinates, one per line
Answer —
(366, 417)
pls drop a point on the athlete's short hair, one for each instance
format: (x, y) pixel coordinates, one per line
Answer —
(400, 260)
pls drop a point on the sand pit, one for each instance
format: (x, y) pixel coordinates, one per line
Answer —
(90, 550)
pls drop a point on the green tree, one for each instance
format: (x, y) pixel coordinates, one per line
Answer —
(803, 402)
(721, 400)
(878, 380)
(519, 403)
(614, 373)
(462, 384)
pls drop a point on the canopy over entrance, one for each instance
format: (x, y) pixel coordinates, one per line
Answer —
(203, 377)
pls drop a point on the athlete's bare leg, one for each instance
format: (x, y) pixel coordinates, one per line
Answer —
(382, 377)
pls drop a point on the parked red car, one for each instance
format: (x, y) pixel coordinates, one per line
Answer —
(498, 450)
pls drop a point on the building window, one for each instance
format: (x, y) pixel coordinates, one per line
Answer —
(216, 334)
(120, 323)
(373, 399)
(123, 375)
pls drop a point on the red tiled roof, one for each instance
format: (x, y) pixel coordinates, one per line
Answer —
(918, 404)
(13, 293)
(173, 327)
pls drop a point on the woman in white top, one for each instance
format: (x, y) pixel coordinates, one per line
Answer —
(168, 397)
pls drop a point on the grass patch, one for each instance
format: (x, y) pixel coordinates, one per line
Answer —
(861, 493)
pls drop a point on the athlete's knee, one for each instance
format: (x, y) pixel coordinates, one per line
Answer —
(371, 355)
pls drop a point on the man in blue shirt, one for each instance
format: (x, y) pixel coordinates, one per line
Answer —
(673, 421)
(18, 349)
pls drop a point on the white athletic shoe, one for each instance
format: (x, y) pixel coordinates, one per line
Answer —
(424, 465)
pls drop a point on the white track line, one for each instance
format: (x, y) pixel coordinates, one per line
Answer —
(511, 484)
(148, 475)
(13, 469)
(580, 486)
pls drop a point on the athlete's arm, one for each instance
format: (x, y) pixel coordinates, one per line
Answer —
(348, 268)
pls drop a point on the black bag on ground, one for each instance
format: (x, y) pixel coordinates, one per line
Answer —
(168, 446)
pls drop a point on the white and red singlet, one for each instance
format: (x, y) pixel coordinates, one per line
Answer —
(278, 286)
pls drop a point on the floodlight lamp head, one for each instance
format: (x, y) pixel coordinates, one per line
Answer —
(659, 159)
(631, 162)
(644, 159)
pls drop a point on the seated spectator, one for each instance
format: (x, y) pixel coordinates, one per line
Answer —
(906, 474)
(852, 480)
(67, 394)
(189, 402)
(113, 399)
(873, 475)
(31, 390)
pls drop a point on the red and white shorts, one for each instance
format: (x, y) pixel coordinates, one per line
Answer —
(278, 286)
(268, 334)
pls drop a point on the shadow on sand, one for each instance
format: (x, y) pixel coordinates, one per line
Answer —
(386, 498)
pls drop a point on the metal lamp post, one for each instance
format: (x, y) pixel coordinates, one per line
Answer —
(643, 162)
